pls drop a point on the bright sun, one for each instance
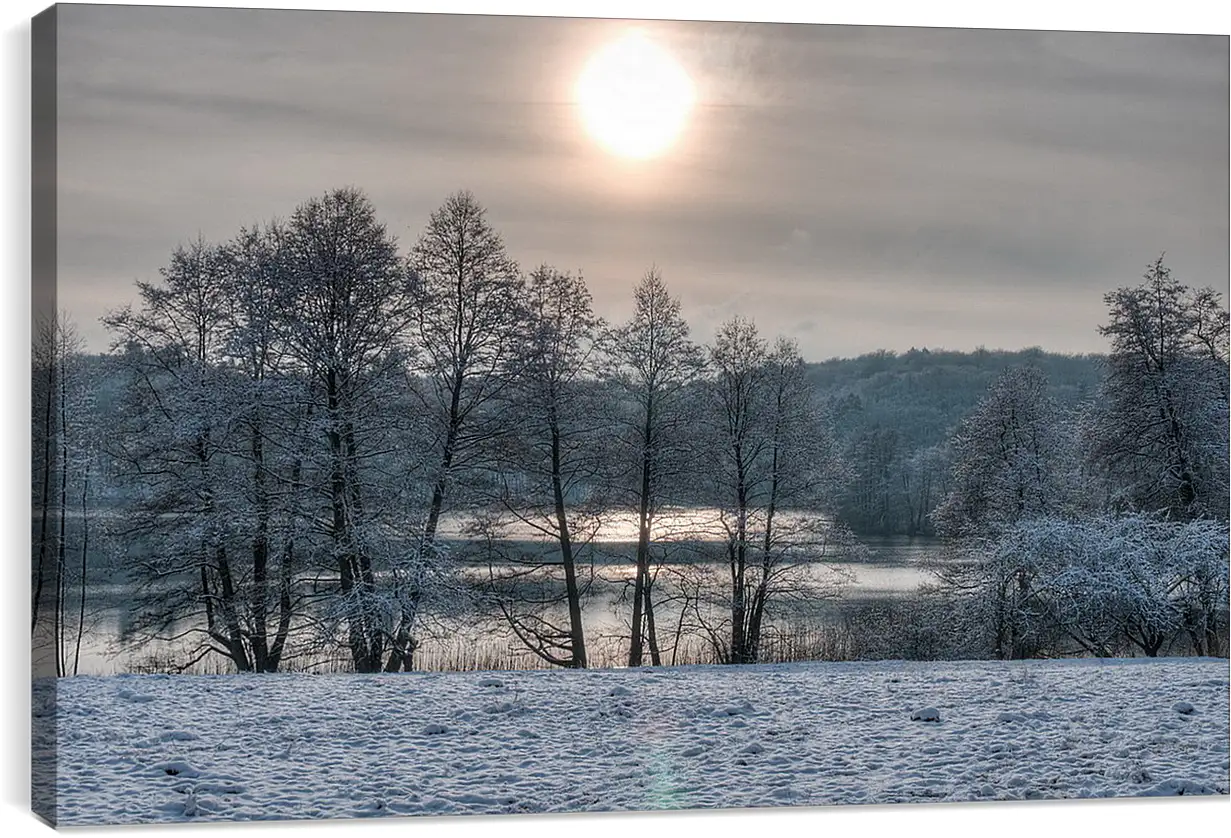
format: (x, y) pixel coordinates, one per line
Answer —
(634, 97)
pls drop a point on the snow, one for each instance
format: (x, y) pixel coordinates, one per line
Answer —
(245, 747)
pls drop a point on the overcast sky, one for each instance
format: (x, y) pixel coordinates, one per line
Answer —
(853, 187)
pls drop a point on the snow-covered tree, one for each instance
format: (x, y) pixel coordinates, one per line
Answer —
(1011, 459)
(44, 459)
(347, 301)
(1159, 427)
(923, 478)
(469, 321)
(267, 427)
(64, 448)
(172, 450)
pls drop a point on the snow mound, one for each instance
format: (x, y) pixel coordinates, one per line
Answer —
(1022, 717)
(925, 714)
(1176, 788)
(1183, 708)
(508, 707)
(177, 736)
(135, 698)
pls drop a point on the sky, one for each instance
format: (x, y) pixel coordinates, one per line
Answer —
(852, 187)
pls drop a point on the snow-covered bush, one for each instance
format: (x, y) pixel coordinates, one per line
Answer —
(932, 625)
(1103, 586)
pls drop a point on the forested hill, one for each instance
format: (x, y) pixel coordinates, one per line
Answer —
(923, 393)
(894, 413)
(892, 416)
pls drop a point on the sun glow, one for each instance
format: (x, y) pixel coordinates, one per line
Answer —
(635, 97)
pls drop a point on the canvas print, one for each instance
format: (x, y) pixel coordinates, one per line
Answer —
(443, 415)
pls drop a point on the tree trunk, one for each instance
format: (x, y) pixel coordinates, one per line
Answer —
(635, 649)
(286, 578)
(85, 548)
(231, 619)
(61, 562)
(260, 555)
(577, 638)
(45, 496)
(739, 565)
(651, 633)
(284, 606)
(401, 655)
(341, 534)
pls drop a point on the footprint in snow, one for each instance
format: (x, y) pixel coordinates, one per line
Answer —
(372, 809)
(177, 768)
(1010, 717)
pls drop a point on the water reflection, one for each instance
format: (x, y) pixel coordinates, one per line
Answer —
(890, 567)
(700, 525)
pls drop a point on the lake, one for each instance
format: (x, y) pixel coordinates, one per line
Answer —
(892, 567)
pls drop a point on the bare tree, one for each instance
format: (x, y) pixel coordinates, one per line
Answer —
(773, 465)
(44, 460)
(69, 434)
(264, 439)
(548, 469)
(652, 362)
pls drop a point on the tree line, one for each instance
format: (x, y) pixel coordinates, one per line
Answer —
(303, 407)
(321, 445)
(1102, 529)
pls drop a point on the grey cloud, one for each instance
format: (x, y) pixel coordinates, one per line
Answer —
(859, 186)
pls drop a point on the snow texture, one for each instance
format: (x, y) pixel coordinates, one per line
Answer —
(162, 748)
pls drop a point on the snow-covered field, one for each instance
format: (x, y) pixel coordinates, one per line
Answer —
(159, 748)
